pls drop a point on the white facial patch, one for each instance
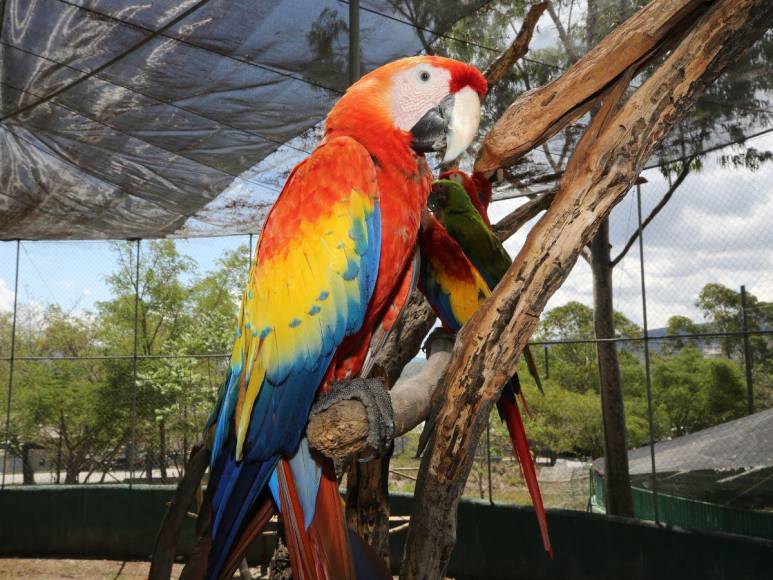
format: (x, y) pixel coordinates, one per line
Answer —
(463, 127)
(416, 91)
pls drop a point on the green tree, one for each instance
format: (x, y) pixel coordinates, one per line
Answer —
(695, 392)
(677, 325)
(574, 365)
(162, 295)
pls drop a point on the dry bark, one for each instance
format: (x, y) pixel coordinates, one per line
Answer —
(604, 166)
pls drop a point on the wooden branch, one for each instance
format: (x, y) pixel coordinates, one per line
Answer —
(518, 47)
(609, 157)
(539, 114)
(517, 218)
(655, 211)
(405, 338)
(340, 431)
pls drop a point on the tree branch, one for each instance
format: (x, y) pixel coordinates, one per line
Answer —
(661, 204)
(517, 218)
(565, 40)
(604, 166)
(340, 431)
(518, 47)
(539, 114)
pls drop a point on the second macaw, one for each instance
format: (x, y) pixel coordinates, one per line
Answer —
(462, 262)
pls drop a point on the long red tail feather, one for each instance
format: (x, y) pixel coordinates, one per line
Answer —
(256, 525)
(298, 543)
(322, 551)
(328, 530)
(508, 408)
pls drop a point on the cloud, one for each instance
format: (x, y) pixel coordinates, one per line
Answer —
(717, 227)
(6, 296)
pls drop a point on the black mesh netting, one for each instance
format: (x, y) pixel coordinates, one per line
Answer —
(122, 119)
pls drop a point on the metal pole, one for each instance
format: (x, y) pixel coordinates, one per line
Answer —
(10, 364)
(488, 458)
(547, 363)
(133, 443)
(249, 265)
(648, 376)
(354, 41)
(747, 353)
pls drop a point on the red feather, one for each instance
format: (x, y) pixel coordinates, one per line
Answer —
(508, 409)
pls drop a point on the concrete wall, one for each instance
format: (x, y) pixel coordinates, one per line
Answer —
(493, 541)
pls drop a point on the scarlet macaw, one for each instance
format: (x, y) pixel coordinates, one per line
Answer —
(462, 262)
(334, 257)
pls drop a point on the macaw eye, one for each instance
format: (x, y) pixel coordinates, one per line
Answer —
(424, 76)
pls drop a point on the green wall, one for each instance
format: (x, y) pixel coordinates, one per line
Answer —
(493, 541)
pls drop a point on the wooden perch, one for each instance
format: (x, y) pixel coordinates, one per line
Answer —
(541, 113)
(609, 157)
(171, 526)
(340, 431)
(517, 218)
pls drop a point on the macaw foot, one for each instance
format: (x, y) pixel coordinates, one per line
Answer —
(378, 407)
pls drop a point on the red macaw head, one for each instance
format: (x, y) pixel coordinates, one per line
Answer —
(477, 186)
(428, 102)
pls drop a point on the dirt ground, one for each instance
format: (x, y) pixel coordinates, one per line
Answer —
(43, 569)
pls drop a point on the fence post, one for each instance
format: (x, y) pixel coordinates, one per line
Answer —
(647, 373)
(547, 363)
(747, 353)
(354, 41)
(10, 363)
(133, 443)
(488, 459)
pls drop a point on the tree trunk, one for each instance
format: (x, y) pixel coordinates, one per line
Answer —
(616, 476)
(367, 501)
(162, 449)
(72, 469)
(26, 464)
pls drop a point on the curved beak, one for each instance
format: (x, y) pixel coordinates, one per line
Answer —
(452, 125)
(437, 198)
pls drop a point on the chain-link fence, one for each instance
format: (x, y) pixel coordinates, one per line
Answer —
(111, 354)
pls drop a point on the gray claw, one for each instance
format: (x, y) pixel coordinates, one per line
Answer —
(378, 406)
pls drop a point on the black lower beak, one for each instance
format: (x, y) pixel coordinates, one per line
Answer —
(433, 203)
(430, 132)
